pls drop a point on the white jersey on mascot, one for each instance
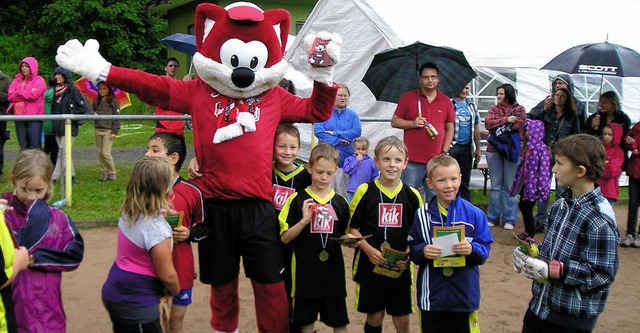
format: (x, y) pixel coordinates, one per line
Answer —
(235, 104)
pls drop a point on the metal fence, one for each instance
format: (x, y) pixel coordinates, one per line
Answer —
(66, 188)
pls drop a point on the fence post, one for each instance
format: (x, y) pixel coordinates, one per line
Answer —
(67, 162)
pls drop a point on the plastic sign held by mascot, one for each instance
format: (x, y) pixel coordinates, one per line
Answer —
(235, 104)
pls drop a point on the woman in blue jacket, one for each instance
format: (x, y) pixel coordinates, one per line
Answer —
(339, 131)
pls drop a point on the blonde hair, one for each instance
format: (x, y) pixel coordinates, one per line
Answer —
(440, 161)
(345, 87)
(361, 140)
(32, 163)
(391, 142)
(326, 151)
(148, 189)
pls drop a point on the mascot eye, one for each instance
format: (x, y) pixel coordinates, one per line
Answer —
(235, 53)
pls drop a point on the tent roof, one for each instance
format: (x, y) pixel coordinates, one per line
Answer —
(503, 33)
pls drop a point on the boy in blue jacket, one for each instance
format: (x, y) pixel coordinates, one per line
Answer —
(448, 297)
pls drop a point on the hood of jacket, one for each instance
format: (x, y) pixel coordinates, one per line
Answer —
(617, 134)
(67, 74)
(33, 64)
(535, 130)
(566, 78)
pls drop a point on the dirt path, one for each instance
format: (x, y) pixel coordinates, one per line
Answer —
(505, 295)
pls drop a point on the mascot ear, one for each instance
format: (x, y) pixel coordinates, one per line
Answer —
(206, 16)
(280, 20)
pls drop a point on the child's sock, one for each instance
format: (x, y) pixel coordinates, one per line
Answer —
(372, 329)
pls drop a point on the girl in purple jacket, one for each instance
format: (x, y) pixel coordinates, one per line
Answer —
(532, 175)
(51, 238)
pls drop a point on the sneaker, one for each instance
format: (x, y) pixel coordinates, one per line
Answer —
(636, 243)
(508, 226)
(111, 177)
(525, 237)
(491, 224)
(103, 178)
(540, 229)
(628, 241)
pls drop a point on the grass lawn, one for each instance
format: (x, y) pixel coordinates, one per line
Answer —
(92, 200)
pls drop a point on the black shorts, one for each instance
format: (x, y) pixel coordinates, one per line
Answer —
(396, 299)
(246, 228)
(447, 322)
(333, 311)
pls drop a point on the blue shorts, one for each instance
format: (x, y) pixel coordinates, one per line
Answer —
(183, 298)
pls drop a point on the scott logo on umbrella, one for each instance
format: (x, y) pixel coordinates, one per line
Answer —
(596, 69)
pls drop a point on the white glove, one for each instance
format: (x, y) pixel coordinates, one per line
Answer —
(333, 49)
(519, 259)
(84, 60)
(532, 268)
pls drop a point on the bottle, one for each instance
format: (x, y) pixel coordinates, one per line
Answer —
(431, 130)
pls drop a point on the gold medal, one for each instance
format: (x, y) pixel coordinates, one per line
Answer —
(385, 244)
(447, 271)
(324, 256)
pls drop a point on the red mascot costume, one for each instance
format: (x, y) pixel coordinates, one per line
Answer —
(235, 105)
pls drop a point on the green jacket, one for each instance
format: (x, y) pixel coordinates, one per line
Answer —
(47, 126)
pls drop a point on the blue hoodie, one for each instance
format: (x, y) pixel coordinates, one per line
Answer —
(459, 292)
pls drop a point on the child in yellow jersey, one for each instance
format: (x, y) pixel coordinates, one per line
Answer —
(384, 210)
(308, 221)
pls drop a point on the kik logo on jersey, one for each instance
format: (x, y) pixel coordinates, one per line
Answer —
(280, 194)
(322, 219)
(389, 215)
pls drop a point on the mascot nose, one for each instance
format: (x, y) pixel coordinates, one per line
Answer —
(242, 77)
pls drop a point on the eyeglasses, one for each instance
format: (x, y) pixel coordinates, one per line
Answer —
(430, 77)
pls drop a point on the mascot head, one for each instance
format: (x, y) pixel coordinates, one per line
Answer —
(240, 48)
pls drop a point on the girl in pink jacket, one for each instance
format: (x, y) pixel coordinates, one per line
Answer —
(26, 97)
(611, 139)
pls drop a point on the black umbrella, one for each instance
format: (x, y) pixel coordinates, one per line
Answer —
(394, 72)
(599, 58)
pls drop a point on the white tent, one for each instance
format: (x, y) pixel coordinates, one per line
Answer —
(505, 41)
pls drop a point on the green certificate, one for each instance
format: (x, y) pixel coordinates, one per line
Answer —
(451, 260)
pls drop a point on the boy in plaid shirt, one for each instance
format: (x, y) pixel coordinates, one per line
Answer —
(578, 258)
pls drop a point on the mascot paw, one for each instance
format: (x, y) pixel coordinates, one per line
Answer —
(227, 133)
(248, 121)
(83, 59)
(324, 52)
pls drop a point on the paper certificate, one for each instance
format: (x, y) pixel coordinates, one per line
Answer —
(445, 238)
(391, 268)
(175, 220)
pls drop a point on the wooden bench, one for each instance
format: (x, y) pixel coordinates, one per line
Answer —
(484, 168)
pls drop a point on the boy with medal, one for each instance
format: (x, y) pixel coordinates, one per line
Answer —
(307, 220)
(384, 209)
(287, 177)
(448, 296)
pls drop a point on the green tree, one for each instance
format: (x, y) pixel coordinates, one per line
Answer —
(20, 15)
(128, 33)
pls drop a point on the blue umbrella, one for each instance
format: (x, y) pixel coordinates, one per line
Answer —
(184, 43)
